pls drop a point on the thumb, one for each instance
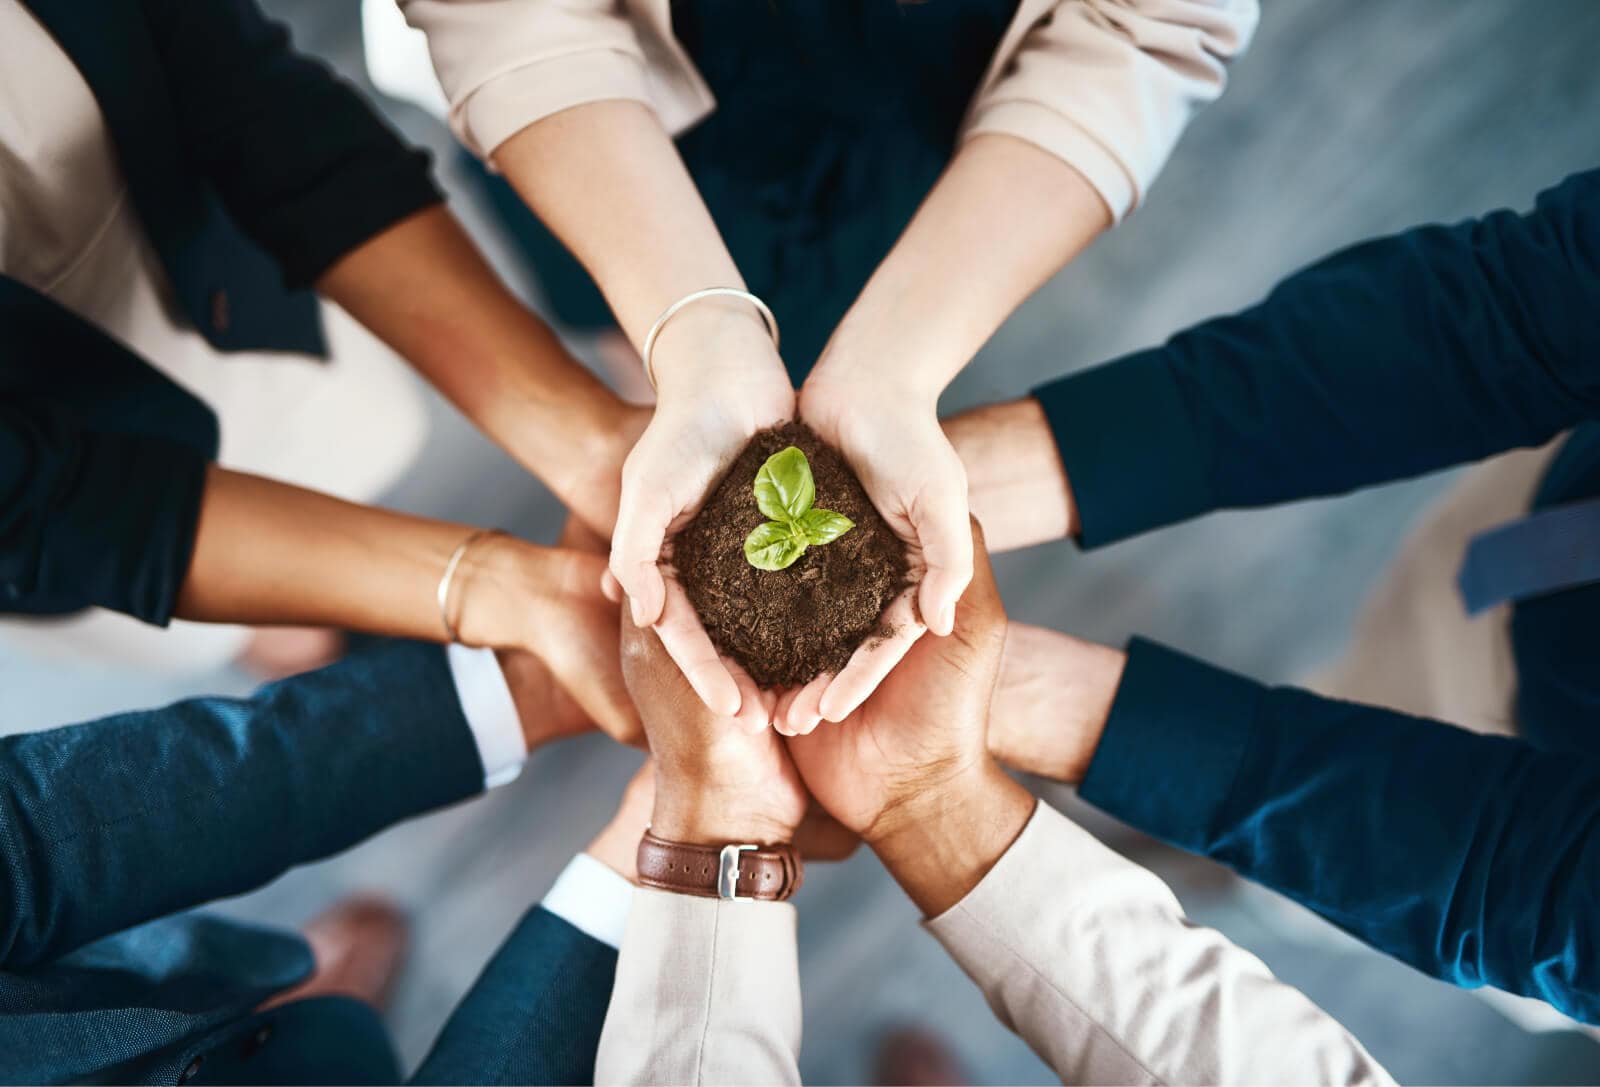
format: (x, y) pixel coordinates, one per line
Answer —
(939, 519)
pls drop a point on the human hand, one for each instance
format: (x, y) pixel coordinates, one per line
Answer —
(1016, 483)
(547, 602)
(592, 489)
(716, 781)
(719, 380)
(891, 437)
(909, 771)
(1051, 701)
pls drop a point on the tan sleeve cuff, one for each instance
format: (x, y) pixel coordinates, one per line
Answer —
(1090, 959)
(707, 991)
(513, 100)
(1054, 132)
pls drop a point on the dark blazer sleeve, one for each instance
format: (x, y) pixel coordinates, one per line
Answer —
(1409, 353)
(534, 1015)
(107, 824)
(101, 470)
(1475, 859)
(301, 162)
(91, 517)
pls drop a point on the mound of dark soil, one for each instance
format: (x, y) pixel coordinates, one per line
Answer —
(787, 626)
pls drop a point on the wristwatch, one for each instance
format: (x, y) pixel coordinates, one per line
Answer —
(765, 873)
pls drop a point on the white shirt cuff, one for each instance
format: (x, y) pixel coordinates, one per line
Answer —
(592, 898)
(491, 714)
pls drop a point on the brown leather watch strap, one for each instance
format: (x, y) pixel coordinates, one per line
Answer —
(768, 873)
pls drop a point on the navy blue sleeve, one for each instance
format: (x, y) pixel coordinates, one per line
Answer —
(1475, 859)
(118, 821)
(1433, 347)
(300, 160)
(93, 517)
(534, 1014)
(101, 476)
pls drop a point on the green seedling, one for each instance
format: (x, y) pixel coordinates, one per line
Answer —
(784, 492)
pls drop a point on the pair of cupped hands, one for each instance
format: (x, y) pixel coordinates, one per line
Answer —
(708, 408)
(913, 706)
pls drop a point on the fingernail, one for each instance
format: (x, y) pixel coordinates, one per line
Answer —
(947, 619)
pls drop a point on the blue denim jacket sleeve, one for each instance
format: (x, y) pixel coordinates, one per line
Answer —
(1402, 355)
(114, 822)
(1475, 859)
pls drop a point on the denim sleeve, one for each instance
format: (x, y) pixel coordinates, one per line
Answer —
(1475, 859)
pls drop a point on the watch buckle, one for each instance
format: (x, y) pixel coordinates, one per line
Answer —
(728, 873)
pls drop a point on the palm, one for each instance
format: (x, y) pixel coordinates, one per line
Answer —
(916, 482)
(667, 475)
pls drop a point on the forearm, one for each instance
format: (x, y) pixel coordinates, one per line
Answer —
(707, 990)
(1091, 960)
(607, 180)
(269, 553)
(218, 796)
(1399, 356)
(1016, 485)
(1467, 856)
(425, 289)
(1003, 218)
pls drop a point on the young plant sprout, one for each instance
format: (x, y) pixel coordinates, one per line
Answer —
(784, 492)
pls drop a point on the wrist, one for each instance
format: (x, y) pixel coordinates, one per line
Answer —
(855, 373)
(723, 336)
(501, 592)
(700, 815)
(1052, 702)
(941, 846)
(1017, 485)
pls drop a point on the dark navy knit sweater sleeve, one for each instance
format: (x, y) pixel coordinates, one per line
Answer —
(1429, 348)
(302, 163)
(118, 821)
(1475, 859)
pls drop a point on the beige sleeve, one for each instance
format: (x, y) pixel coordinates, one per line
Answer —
(1108, 86)
(707, 992)
(505, 64)
(1090, 959)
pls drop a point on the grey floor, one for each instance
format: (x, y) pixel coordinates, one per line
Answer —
(1346, 119)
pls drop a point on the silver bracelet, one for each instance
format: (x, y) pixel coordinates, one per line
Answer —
(694, 296)
(448, 577)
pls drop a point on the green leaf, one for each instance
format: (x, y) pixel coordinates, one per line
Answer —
(773, 546)
(784, 487)
(824, 526)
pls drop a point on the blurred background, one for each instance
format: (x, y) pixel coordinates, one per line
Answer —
(1344, 120)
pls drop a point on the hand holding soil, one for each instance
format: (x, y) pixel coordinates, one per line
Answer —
(704, 415)
(832, 564)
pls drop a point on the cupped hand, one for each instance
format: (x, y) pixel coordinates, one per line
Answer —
(922, 729)
(716, 781)
(719, 380)
(917, 483)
